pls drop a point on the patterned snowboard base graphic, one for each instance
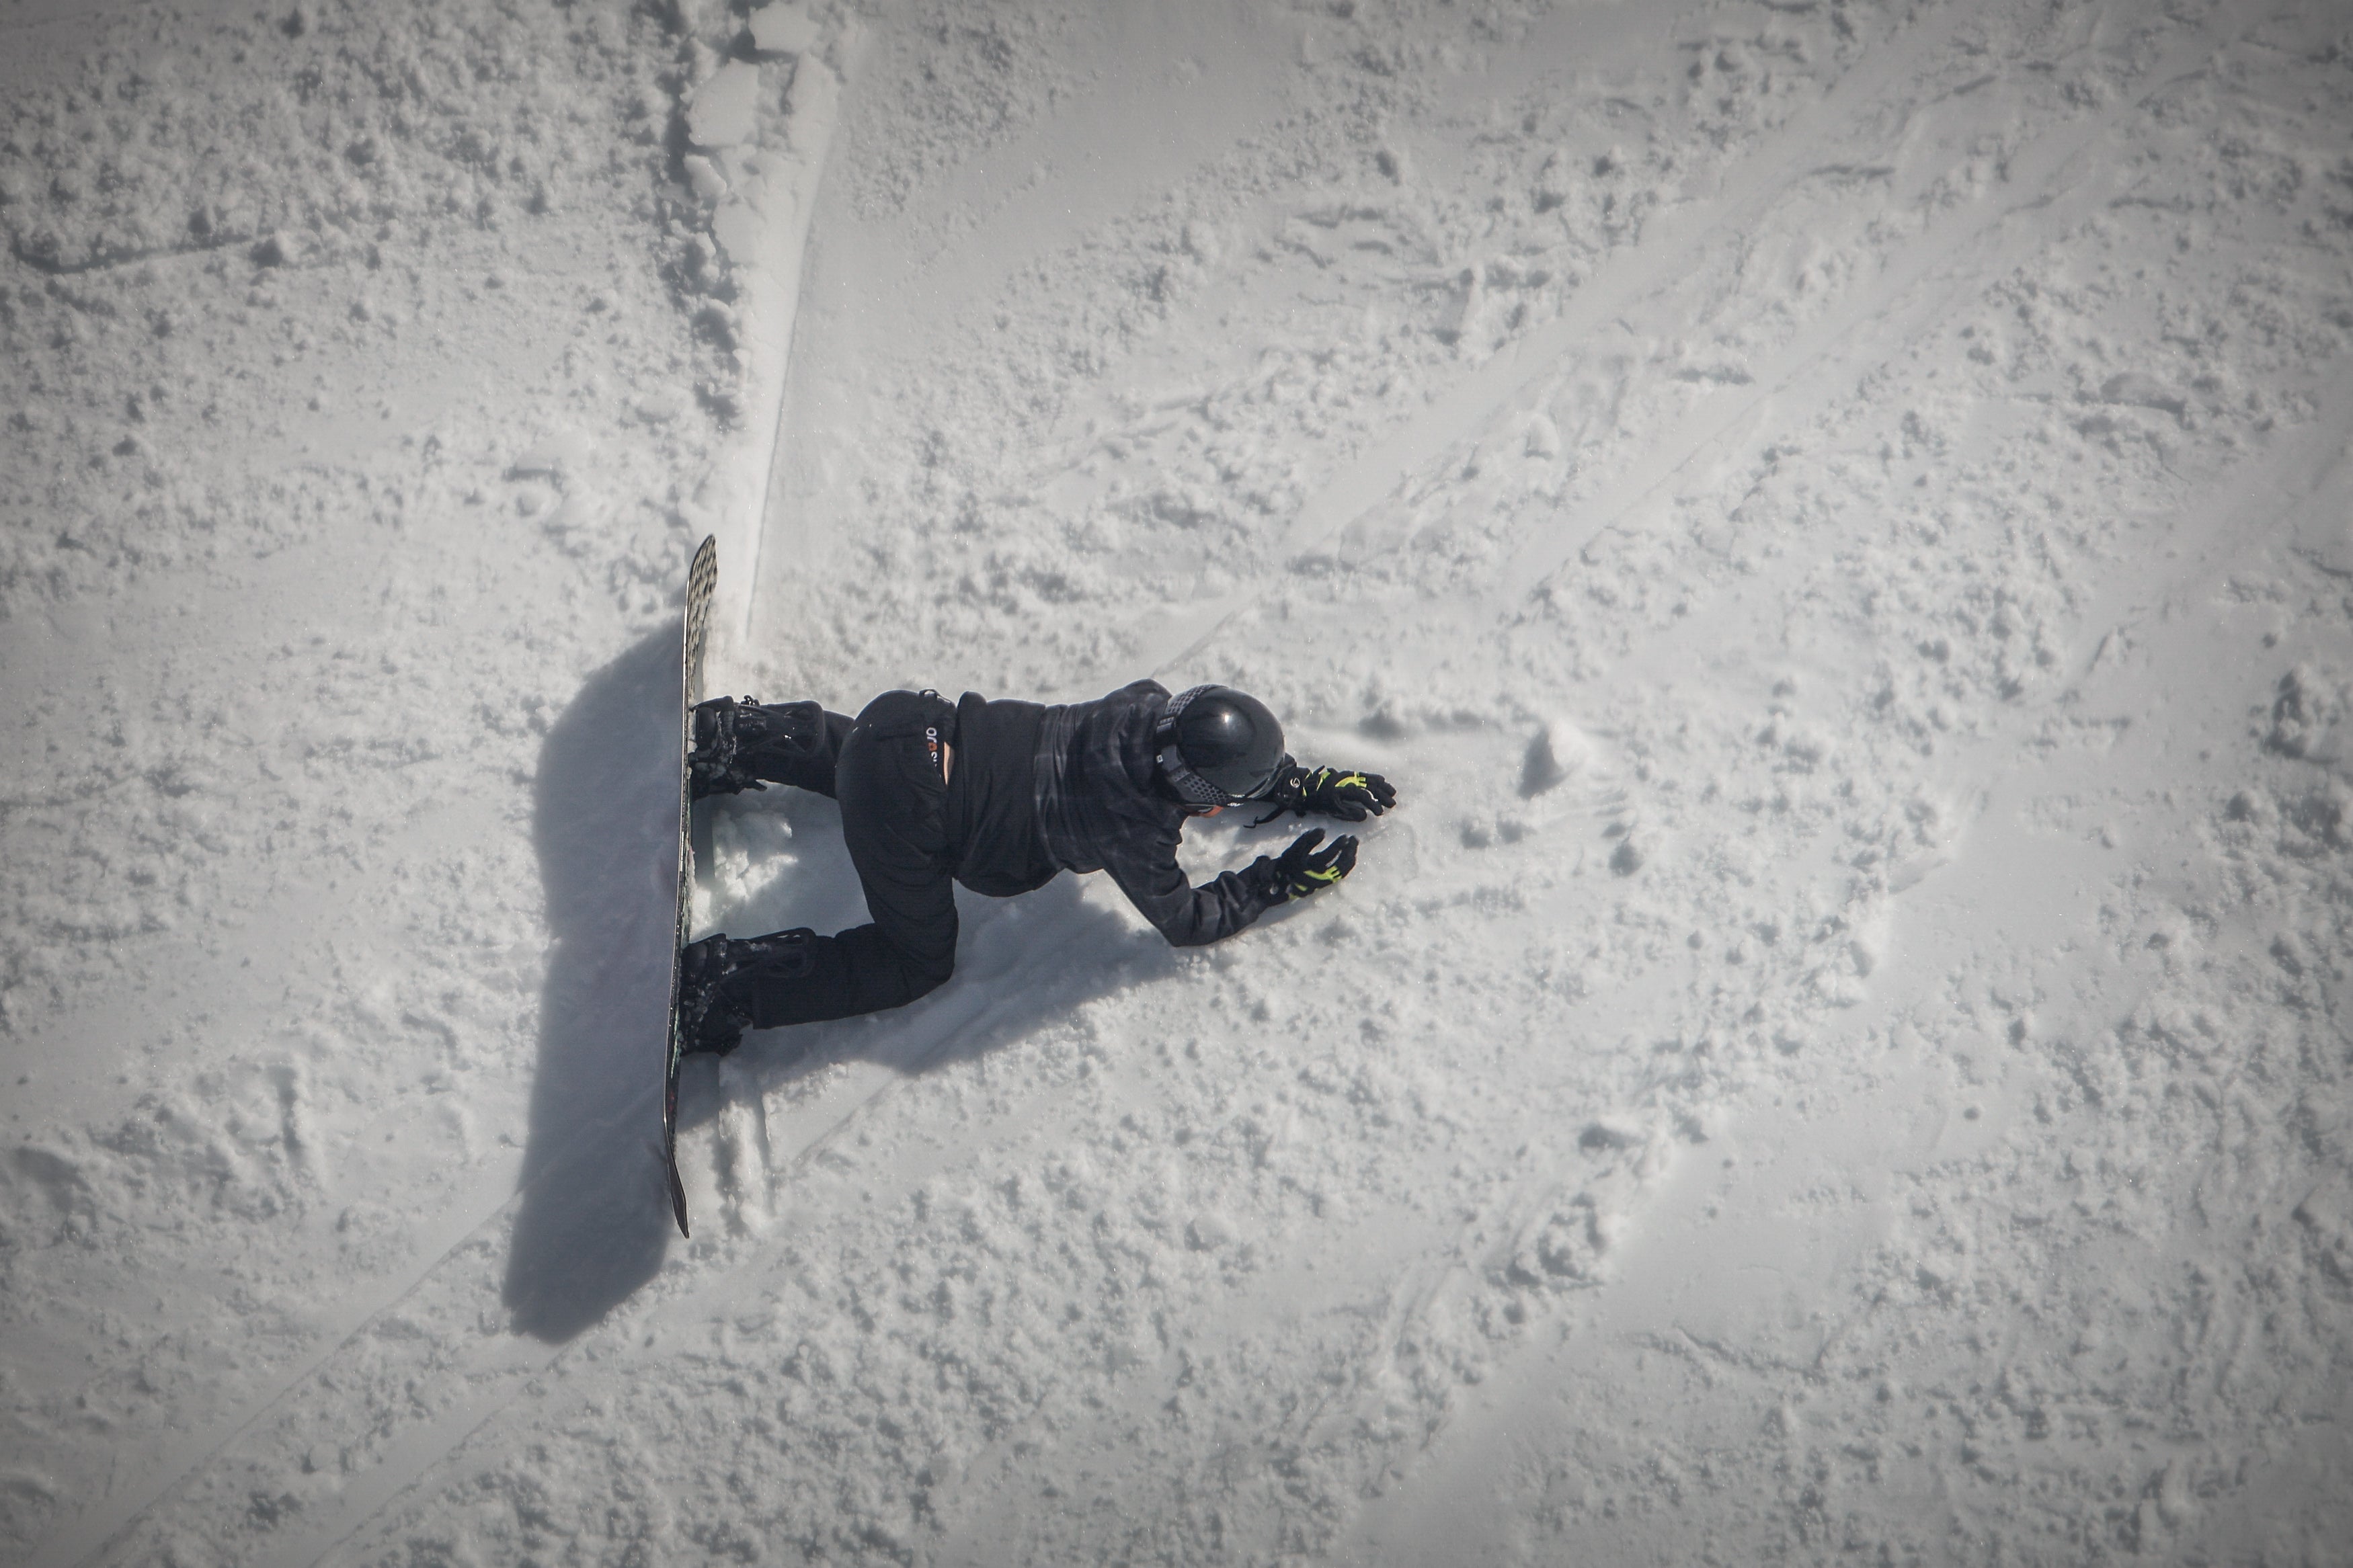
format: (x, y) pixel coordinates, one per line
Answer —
(694, 631)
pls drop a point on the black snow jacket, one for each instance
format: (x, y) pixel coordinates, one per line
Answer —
(1100, 809)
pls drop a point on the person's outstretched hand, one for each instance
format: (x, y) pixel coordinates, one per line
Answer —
(1302, 868)
(1330, 792)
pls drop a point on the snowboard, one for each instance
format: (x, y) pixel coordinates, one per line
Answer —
(694, 632)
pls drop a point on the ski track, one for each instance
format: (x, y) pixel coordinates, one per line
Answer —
(1674, 246)
(93, 1537)
(494, 1194)
(495, 1373)
(1956, 254)
(2255, 510)
(700, 1291)
(1954, 257)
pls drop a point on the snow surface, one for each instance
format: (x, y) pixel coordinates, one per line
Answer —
(1833, 513)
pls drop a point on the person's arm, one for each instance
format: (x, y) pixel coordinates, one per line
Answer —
(1147, 872)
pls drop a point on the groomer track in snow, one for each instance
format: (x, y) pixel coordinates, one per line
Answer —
(1833, 516)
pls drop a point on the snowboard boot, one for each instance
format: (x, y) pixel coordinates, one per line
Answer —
(715, 980)
(738, 742)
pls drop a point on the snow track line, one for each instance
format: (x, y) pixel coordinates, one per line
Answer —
(409, 1457)
(2254, 506)
(89, 1540)
(1692, 230)
(1962, 253)
(1672, 247)
(1805, 364)
(412, 1457)
(113, 260)
(2235, 507)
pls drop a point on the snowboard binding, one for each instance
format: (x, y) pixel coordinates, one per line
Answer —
(716, 977)
(739, 742)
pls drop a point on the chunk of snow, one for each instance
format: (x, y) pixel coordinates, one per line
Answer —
(738, 228)
(783, 29)
(726, 107)
(2131, 389)
(559, 454)
(702, 176)
(660, 405)
(2309, 715)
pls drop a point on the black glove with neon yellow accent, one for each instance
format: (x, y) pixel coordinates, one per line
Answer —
(1302, 868)
(1329, 791)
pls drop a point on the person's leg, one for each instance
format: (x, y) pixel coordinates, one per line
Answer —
(893, 805)
(740, 744)
(892, 808)
(716, 979)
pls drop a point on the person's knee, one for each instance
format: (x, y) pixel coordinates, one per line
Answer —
(926, 972)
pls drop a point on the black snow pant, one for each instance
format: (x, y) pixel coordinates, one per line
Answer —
(885, 771)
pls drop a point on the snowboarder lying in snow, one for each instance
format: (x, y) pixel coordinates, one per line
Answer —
(1001, 797)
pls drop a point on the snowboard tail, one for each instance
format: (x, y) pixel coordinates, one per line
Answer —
(694, 629)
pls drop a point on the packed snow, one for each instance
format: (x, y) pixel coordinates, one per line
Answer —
(1833, 513)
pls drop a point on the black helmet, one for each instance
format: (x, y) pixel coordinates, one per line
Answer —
(1218, 746)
